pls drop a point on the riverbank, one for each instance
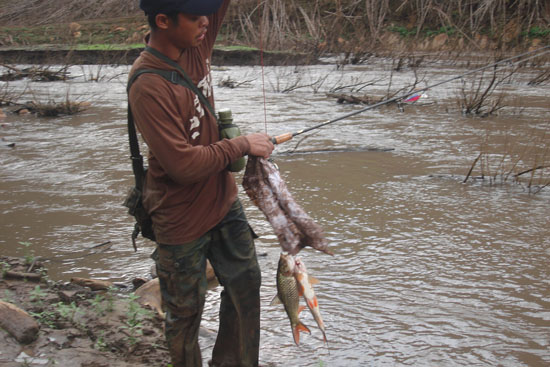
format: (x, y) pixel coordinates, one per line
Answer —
(126, 54)
(79, 323)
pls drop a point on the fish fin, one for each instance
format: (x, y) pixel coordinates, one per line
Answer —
(301, 308)
(312, 303)
(296, 332)
(313, 280)
(276, 300)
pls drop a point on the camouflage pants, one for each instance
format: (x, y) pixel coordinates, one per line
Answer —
(182, 274)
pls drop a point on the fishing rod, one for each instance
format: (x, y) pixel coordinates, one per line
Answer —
(287, 136)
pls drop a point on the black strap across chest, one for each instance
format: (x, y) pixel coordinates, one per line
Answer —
(178, 77)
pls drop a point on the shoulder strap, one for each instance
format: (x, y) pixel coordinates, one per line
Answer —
(172, 76)
(182, 78)
(135, 155)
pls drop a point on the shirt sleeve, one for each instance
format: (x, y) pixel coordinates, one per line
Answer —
(161, 125)
(216, 21)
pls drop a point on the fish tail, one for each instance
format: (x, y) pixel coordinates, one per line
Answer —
(296, 332)
(326, 343)
(324, 337)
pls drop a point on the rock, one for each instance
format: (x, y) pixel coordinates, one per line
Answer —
(149, 296)
(483, 41)
(138, 282)
(535, 44)
(149, 293)
(18, 323)
(440, 40)
(27, 360)
(93, 284)
(512, 31)
(69, 296)
(74, 27)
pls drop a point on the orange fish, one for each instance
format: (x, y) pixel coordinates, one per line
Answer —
(305, 289)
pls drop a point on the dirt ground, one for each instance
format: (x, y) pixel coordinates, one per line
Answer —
(79, 326)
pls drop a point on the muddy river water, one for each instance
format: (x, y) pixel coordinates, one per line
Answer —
(427, 271)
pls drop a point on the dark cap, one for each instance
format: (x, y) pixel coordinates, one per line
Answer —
(194, 7)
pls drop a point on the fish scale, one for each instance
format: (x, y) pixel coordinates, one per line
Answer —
(288, 295)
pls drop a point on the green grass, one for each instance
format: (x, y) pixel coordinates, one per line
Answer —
(537, 32)
(237, 48)
(108, 47)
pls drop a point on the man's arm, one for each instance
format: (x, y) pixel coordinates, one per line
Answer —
(216, 21)
(161, 126)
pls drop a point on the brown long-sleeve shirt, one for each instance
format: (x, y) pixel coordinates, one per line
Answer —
(188, 189)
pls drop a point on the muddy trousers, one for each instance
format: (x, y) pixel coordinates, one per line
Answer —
(182, 273)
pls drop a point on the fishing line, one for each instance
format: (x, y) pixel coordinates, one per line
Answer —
(262, 61)
(287, 136)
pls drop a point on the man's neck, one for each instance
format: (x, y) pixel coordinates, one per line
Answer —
(166, 48)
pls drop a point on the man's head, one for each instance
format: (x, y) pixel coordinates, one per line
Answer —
(192, 7)
(171, 8)
(178, 23)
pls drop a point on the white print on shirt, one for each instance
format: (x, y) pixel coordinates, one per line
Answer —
(195, 123)
(195, 120)
(206, 87)
(206, 83)
(198, 107)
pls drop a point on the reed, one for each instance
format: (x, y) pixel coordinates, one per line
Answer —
(351, 26)
(52, 108)
(356, 27)
(523, 163)
(541, 78)
(9, 95)
(484, 96)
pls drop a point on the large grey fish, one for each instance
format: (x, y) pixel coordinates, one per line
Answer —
(287, 294)
(293, 226)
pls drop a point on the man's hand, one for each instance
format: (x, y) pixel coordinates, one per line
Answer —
(260, 145)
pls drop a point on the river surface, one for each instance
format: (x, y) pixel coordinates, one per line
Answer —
(427, 271)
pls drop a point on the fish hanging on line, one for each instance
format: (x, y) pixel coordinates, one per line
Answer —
(305, 289)
(294, 281)
(294, 228)
(287, 294)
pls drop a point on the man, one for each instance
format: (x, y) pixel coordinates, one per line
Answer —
(190, 194)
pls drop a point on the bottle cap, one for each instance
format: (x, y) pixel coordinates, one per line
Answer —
(225, 114)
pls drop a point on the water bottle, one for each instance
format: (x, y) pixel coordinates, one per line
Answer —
(228, 130)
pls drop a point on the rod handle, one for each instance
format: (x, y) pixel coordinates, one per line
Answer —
(281, 138)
